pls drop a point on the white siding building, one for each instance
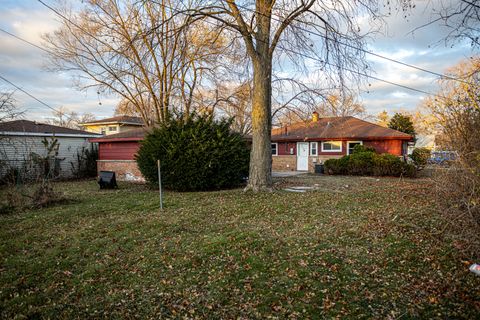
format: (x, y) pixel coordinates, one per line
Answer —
(22, 141)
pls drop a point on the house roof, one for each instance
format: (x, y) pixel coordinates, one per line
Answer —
(336, 128)
(347, 128)
(129, 135)
(33, 128)
(118, 119)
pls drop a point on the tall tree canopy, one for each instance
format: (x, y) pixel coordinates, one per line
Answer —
(141, 51)
(403, 123)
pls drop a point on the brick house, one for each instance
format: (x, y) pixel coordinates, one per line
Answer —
(295, 147)
(301, 145)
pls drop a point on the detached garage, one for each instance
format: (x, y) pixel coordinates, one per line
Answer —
(116, 152)
(22, 140)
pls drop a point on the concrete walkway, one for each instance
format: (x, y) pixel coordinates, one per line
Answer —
(284, 174)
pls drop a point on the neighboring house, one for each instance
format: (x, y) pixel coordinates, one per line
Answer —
(315, 141)
(117, 153)
(423, 141)
(300, 146)
(113, 125)
(21, 140)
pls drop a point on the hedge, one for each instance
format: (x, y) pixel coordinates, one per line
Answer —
(366, 162)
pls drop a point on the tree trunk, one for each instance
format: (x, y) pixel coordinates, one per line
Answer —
(260, 176)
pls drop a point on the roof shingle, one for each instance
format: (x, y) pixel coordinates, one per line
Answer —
(129, 135)
(336, 128)
(118, 119)
(27, 126)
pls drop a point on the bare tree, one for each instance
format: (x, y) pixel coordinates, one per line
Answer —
(126, 108)
(8, 108)
(63, 117)
(275, 32)
(139, 50)
(456, 108)
(341, 105)
(383, 118)
(463, 19)
(235, 101)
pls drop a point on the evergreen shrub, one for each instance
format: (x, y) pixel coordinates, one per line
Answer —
(198, 153)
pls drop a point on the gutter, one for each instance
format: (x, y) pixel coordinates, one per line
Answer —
(112, 122)
(293, 138)
(47, 134)
(115, 139)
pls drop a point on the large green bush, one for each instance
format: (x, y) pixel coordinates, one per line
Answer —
(364, 161)
(195, 154)
(420, 156)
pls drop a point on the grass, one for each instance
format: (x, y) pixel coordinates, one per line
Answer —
(356, 248)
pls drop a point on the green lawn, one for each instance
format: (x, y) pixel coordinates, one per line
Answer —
(356, 247)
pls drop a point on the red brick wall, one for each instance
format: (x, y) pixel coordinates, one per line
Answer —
(125, 170)
(284, 163)
(289, 162)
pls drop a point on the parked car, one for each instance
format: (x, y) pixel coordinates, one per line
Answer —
(442, 157)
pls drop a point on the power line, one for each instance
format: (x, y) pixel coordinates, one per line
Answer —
(33, 97)
(332, 64)
(286, 49)
(23, 40)
(355, 47)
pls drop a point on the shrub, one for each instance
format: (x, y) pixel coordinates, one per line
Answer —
(44, 196)
(361, 148)
(86, 164)
(10, 177)
(362, 162)
(195, 154)
(336, 166)
(420, 156)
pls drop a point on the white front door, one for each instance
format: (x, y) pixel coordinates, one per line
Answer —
(302, 156)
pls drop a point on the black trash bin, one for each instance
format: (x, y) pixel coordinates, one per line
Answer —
(319, 168)
(107, 180)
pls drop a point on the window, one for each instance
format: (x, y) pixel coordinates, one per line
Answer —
(332, 146)
(313, 148)
(352, 144)
(103, 130)
(112, 128)
(274, 149)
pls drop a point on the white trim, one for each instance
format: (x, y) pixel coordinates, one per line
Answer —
(276, 148)
(348, 148)
(341, 146)
(86, 124)
(48, 134)
(316, 148)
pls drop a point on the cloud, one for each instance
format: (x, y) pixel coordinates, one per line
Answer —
(401, 39)
(25, 66)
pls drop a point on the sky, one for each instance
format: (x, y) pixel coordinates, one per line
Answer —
(26, 65)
